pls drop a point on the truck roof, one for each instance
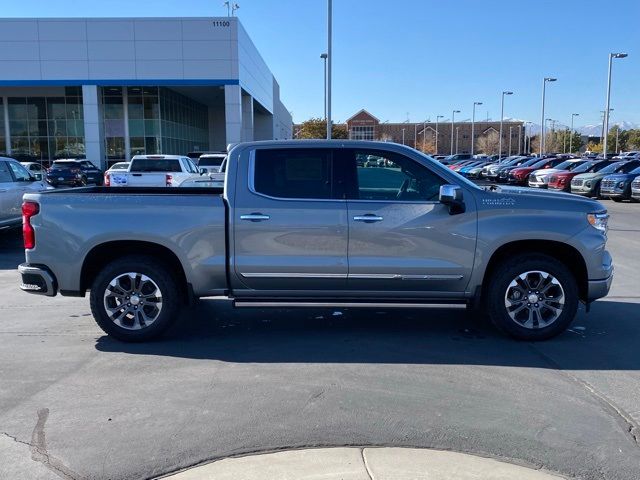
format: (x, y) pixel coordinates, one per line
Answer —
(158, 157)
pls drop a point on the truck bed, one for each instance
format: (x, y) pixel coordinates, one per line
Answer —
(188, 222)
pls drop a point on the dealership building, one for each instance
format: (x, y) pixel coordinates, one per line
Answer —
(110, 88)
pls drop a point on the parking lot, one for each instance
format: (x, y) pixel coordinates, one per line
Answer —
(76, 404)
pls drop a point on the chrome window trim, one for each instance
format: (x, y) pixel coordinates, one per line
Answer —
(364, 276)
(252, 188)
(251, 183)
(292, 275)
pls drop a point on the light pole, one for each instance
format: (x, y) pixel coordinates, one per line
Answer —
(544, 89)
(453, 117)
(329, 59)
(324, 56)
(573, 115)
(606, 109)
(473, 126)
(438, 117)
(501, 119)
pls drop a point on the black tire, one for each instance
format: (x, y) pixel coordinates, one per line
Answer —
(161, 275)
(616, 199)
(508, 271)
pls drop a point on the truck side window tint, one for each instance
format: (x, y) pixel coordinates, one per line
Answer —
(5, 176)
(390, 176)
(293, 173)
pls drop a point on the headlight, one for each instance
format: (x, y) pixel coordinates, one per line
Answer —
(599, 221)
(620, 184)
(587, 184)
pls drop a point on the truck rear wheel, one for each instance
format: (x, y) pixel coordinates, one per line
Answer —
(532, 297)
(135, 298)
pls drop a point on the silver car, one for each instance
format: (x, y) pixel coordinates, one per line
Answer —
(15, 181)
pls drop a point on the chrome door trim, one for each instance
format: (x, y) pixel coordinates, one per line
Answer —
(255, 217)
(397, 276)
(368, 218)
(292, 275)
(320, 304)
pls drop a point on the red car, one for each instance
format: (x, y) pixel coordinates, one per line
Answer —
(562, 180)
(520, 175)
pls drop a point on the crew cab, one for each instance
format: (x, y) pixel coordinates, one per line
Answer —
(304, 223)
(153, 171)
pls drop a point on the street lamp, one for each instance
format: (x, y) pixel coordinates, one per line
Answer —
(473, 121)
(544, 88)
(324, 57)
(606, 109)
(329, 59)
(573, 115)
(501, 119)
(438, 117)
(453, 117)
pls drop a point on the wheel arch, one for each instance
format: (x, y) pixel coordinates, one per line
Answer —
(103, 254)
(562, 252)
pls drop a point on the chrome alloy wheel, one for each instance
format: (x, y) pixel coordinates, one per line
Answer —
(133, 301)
(534, 299)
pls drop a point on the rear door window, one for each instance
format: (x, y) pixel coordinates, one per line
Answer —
(303, 173)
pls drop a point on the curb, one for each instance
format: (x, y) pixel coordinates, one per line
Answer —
(369, 463)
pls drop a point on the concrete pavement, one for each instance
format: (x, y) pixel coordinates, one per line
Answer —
(361, 464)
(76, 404)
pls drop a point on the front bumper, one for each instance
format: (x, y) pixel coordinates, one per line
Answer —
(37, 279)
(600, 288)
(585, 191)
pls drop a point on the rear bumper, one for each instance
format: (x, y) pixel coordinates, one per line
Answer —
(37, 279)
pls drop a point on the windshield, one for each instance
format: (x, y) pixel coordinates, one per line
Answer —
(585, 167)
(155, 165)
(119, 166)
(627, 167)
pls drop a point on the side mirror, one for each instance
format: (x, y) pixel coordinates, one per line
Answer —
(451, 195)
(37, 176)
(203, 171)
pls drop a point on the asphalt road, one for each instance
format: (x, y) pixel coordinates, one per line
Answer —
(76, 404)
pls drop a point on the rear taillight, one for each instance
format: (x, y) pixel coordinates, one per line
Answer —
(29, 209)
(107, 180)
(168, 180)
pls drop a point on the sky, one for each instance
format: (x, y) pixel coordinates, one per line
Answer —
(416, 59)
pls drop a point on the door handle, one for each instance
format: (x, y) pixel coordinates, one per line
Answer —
(368, 218)
(255, 217)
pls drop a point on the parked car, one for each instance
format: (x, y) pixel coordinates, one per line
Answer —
(211, 162)
(562, 180)
(154, 171)
(540, 178)
(74, 173)
(15, 181)
(635, 189)
(35, 168)
(503, 172)
(588, 184)
(520, 175)
(298, 220)
(617, 186)
(492, 170)
(474, 167)
(450, 159)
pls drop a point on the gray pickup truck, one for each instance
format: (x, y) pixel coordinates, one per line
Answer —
(316, 223)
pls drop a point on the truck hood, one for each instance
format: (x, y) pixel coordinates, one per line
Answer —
(545, 199)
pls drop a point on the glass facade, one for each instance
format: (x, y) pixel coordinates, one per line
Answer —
(159, 121)
(185, 123)
(45, 128)
(3, 139)
(362, 133)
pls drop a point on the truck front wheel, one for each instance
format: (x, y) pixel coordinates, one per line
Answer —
(532, 297)
(134, 298)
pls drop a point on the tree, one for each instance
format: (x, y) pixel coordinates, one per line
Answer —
(633, 139)
(488, 143)
(317, 128)
(428, 147)
(560, 140)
